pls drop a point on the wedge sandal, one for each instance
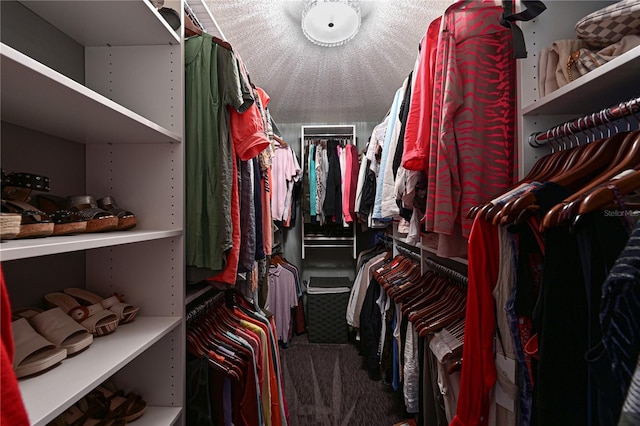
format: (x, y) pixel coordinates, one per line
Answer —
(33, 222)
(94, 318)
(33, 353)
(98, 220)
(125, 311)
(16, 192)
(9, 225)
(126, 219)
(66, 222)
(57, 327)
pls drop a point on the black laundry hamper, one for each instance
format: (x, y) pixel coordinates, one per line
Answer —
(327, 300)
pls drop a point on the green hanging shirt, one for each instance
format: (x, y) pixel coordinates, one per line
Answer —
(212, 84)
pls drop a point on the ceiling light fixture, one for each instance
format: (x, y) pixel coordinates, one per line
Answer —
(331, 23)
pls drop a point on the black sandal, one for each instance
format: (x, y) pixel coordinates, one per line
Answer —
(16, 190)
(98, 220)
(66, 221)
(126, 219)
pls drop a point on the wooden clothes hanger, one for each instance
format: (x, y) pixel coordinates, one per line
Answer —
(605, 195)
(627, 156)
(599, 157)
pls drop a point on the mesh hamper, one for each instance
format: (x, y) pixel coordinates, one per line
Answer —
(327, 300)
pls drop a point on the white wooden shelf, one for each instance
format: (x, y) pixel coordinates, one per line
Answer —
(159, 416)
(594, 90)
(49, 394)
(37, 97)
(28, 248)
(107, 23)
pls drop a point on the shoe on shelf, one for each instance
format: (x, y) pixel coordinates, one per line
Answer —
(126, 219)
(16, 193)
(98, 220)
(66, 222)
(33, 222)
(126, 406)
(9, 225)
(89, 411)
(116, 304)
(94, 318)
(57, 327)
(18, 185)
(33, 354)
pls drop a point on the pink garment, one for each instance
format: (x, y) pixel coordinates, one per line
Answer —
(346, 184)
(353, 182)
(283, 169)
(267, 223)
(472, 153)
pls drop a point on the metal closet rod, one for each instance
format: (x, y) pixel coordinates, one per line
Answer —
(204, 307)
(408, 253)
(587, 122)
(342, 135)
(445, 272)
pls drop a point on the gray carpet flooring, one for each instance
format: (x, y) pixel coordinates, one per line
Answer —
(326, 385)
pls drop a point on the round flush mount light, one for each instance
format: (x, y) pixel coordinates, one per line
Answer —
(331, 23)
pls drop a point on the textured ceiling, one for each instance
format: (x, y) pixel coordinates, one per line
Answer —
(312, 84)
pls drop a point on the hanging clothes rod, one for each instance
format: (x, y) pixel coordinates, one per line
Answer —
(408, 253)
(204, 307)
(335, 135)
(587, 122)
(445, 272)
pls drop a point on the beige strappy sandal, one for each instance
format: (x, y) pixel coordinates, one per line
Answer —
(126, 312)
(94, 318)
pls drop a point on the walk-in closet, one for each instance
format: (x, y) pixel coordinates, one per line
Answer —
(319, 212)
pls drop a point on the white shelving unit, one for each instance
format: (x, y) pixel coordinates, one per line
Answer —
(309, 240)
(609, 84)
(118, 131)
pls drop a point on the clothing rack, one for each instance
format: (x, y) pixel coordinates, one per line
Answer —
(329, 135)
(605, 117)
(204, 307)
(335, 131)
(408, 253)
(450, 274)
(385, 239)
